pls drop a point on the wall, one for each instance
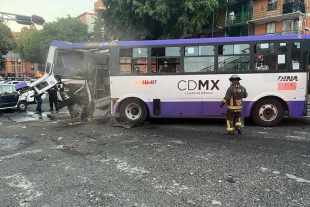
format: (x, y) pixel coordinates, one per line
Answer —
(98, 5)
(90, 20)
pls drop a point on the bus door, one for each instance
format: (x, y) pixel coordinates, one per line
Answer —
(99, 66)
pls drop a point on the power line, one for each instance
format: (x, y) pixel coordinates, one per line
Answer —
(16, 7)
(67, 9)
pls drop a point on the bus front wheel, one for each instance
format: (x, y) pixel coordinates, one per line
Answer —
(267, 112)
(133, 111)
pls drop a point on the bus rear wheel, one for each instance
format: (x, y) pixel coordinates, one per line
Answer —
(133, 111)
(267, 112)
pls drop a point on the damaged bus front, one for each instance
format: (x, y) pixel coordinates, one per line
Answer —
(81, 72)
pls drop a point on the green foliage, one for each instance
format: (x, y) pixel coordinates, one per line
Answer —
(156, 19)
(6, 41)
(34, 44)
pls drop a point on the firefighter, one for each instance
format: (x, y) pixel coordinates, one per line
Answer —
(234, 98)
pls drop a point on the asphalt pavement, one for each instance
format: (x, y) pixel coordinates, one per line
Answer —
(47, 161)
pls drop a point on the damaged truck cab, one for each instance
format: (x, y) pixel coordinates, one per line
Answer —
(81, 74)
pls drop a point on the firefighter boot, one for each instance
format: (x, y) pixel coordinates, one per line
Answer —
(230, 129)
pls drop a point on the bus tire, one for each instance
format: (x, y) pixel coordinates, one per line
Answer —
(267, 112)
(133, 111)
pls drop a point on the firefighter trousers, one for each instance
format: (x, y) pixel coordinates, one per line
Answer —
(233, 120)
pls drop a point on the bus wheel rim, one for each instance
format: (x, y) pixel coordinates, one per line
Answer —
(268, 112)
(133, 111)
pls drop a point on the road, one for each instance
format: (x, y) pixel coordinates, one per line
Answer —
(163, 163)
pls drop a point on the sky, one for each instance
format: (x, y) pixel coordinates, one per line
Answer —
(50, 10)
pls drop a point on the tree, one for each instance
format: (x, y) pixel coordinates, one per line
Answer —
(28, 44)
(6, 42)
(97, 35)
(156, 19)
(34, 44)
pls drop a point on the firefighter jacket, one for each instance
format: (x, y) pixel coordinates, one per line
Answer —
(234, 97)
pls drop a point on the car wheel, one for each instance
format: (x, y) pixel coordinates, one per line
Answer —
(22, 106)
(133, 111)
(267, 112)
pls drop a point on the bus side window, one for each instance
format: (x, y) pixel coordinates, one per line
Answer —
(165, 60)
(296, 56)
(133, 60)
(270, 56)
(234, 57)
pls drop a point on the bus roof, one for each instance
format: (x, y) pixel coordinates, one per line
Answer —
(67, 45)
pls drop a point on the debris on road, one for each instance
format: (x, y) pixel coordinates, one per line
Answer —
(230, 179)
(64, 147)
(76, 123)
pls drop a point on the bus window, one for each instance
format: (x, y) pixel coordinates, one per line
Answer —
(199, 59)
(270, 56)
(140, 65)
(234, 57)
(296, 56)
(133, 60)
(270, 62)
(165, 59)
(69, 63)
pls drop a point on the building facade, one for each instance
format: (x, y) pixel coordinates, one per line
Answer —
(260, 17)
(15, 67)
(89, 18)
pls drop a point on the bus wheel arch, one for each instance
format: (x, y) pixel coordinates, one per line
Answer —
(133, 110)
(268, 111)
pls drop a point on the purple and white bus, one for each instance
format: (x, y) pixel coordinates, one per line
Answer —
(189, 77)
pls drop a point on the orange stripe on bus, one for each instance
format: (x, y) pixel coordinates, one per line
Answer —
(287, 86)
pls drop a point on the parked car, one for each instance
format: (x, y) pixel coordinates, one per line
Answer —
(9, 98)
(30, 98)
(14, 82)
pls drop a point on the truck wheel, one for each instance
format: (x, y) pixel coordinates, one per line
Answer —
(133, 111)
(267, 112)
(22, 106)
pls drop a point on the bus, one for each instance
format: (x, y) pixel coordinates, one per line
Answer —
(185, 78)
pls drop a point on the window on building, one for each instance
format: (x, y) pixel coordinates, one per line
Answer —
(270, 56)
(133, 60)
(286, 26)
(199, 59)
(296, 26)
(272, 5)
(234, 57)
(271, 28)
(165, 59)
(13, 69)
(18, 68)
